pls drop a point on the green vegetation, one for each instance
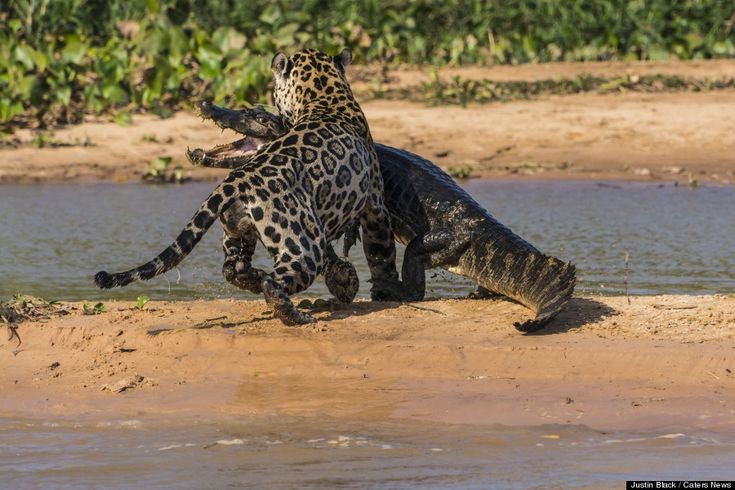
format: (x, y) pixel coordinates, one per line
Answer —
(141, 301)
(24, 307)
(158, 172)
(97, 309)
(60, 59)
(462, 91)
(461, 172)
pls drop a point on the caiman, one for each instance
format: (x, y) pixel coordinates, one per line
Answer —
(439, 222)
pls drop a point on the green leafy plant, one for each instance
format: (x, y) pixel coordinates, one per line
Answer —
(141, 301)
(158, 172)
(97, 309)
(462, 172)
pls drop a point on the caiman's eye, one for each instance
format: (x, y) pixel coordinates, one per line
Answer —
(261, 120)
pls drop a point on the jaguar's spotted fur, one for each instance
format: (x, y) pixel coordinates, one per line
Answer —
(258, 127)
(297, 193)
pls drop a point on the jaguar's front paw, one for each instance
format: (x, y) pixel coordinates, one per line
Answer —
(342, 281)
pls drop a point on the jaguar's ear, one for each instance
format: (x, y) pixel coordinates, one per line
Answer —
(278, 65)
(344, 58)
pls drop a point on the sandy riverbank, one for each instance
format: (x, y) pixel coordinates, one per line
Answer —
(658, 363)
(641, 136)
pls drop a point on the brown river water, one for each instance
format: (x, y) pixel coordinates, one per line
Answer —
(284, 452)
(53, 238)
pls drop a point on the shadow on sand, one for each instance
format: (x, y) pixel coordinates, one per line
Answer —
(341, 311)
(579, 312)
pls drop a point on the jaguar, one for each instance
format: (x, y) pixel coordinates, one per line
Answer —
(297, 193)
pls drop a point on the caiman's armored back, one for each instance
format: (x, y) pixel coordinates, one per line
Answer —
(443, 226)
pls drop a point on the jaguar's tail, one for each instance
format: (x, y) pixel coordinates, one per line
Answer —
(208, 212)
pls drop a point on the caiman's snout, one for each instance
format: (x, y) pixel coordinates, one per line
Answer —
(205, 108)
(224, 118)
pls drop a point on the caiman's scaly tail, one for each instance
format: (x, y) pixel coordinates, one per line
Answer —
(209, 211)
(514, 268)
(550, 284)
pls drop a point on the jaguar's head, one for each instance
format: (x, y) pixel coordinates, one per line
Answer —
(308, 80)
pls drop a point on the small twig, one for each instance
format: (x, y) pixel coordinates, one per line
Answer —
(425, 309)
(207, 323)
(213, 319)
(627, 256)
(13, 330)
(712, 374)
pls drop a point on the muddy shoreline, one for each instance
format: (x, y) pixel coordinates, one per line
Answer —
(658, 363)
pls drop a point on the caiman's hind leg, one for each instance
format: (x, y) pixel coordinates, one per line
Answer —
(340, 277)
(237, 268)
(426, 252)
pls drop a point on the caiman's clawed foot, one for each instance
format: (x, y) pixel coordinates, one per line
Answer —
(484, 293)
(390, 290)
(283, 308)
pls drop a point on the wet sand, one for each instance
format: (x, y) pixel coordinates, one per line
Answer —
(657, 136)
(660, 363)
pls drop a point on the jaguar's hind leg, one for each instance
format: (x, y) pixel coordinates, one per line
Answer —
(292, 273)
(380, 251)
(298, 257)
(237, 268)
(340, 277)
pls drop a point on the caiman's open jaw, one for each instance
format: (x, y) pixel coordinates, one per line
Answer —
(242, 148)
(225, 119)
(242, 122)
